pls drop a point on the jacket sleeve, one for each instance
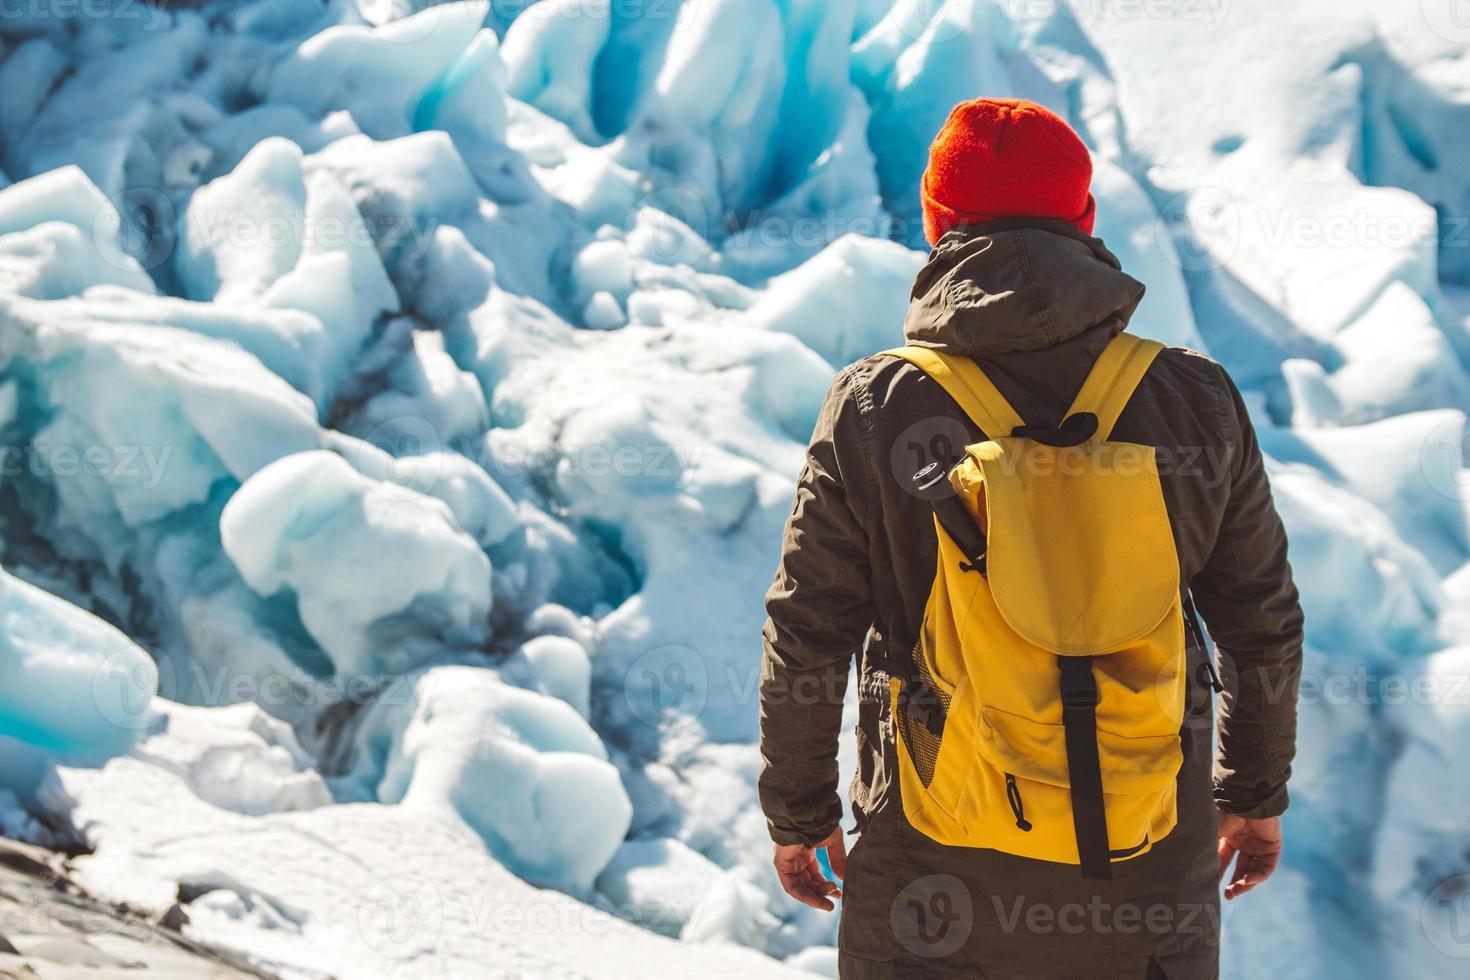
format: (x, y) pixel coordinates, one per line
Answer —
(1249, 603)
(820, 608)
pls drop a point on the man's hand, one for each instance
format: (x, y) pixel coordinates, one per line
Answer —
(802, 877)
(1258, 846)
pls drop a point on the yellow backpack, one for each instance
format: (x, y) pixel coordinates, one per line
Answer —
(1041, 716)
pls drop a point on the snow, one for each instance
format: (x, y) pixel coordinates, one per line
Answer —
(311, 524)
(549, 57)
(353, 889)
(722, 75)
(431, 401)
(397, 78)
(602, 312)
(479, 506)
(657, 883)
(520, 768)
(237, 758)
(413, 177)
(71, 686)
(417, 388)
(164, 428)
(59, 235)
(821, 960)
(1397, 360)
(288, 343)
(269, 235)
(869, 282)
(562, 670)
(1413, 461)
(1139, 237)
(1366, 590)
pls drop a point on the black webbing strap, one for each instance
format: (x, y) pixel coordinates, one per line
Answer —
(1084, 772)
(961, 526)
(1074, 430)
(1191, 616)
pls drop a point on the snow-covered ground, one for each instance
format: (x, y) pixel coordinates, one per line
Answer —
(417, 391)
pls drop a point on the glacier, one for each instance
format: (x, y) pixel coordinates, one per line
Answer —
(402, 401)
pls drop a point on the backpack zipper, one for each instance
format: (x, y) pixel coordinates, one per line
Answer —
(1013, 797)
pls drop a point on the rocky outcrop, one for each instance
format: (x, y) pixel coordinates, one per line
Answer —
(50, 929)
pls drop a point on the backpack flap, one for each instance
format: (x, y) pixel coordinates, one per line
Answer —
(1081, 555)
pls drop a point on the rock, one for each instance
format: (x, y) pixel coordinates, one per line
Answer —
(49, 927)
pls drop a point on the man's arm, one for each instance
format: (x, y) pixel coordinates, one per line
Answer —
(820, 608)
(1246, 596)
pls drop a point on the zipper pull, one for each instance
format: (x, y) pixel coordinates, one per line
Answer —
(1013, 797)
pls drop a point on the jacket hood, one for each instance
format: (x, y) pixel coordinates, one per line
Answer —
(1017, 285)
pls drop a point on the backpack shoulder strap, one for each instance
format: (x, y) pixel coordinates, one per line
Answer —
(967, 384)
(1113, 378)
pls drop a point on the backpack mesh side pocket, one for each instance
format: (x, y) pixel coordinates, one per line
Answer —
(923, 709)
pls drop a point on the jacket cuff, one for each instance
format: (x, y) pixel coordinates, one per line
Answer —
(788, 835)
(1273, 806)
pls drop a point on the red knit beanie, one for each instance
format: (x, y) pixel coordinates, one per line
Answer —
(1005, 158)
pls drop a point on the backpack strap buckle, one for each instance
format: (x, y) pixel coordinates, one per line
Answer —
(1078, 687)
